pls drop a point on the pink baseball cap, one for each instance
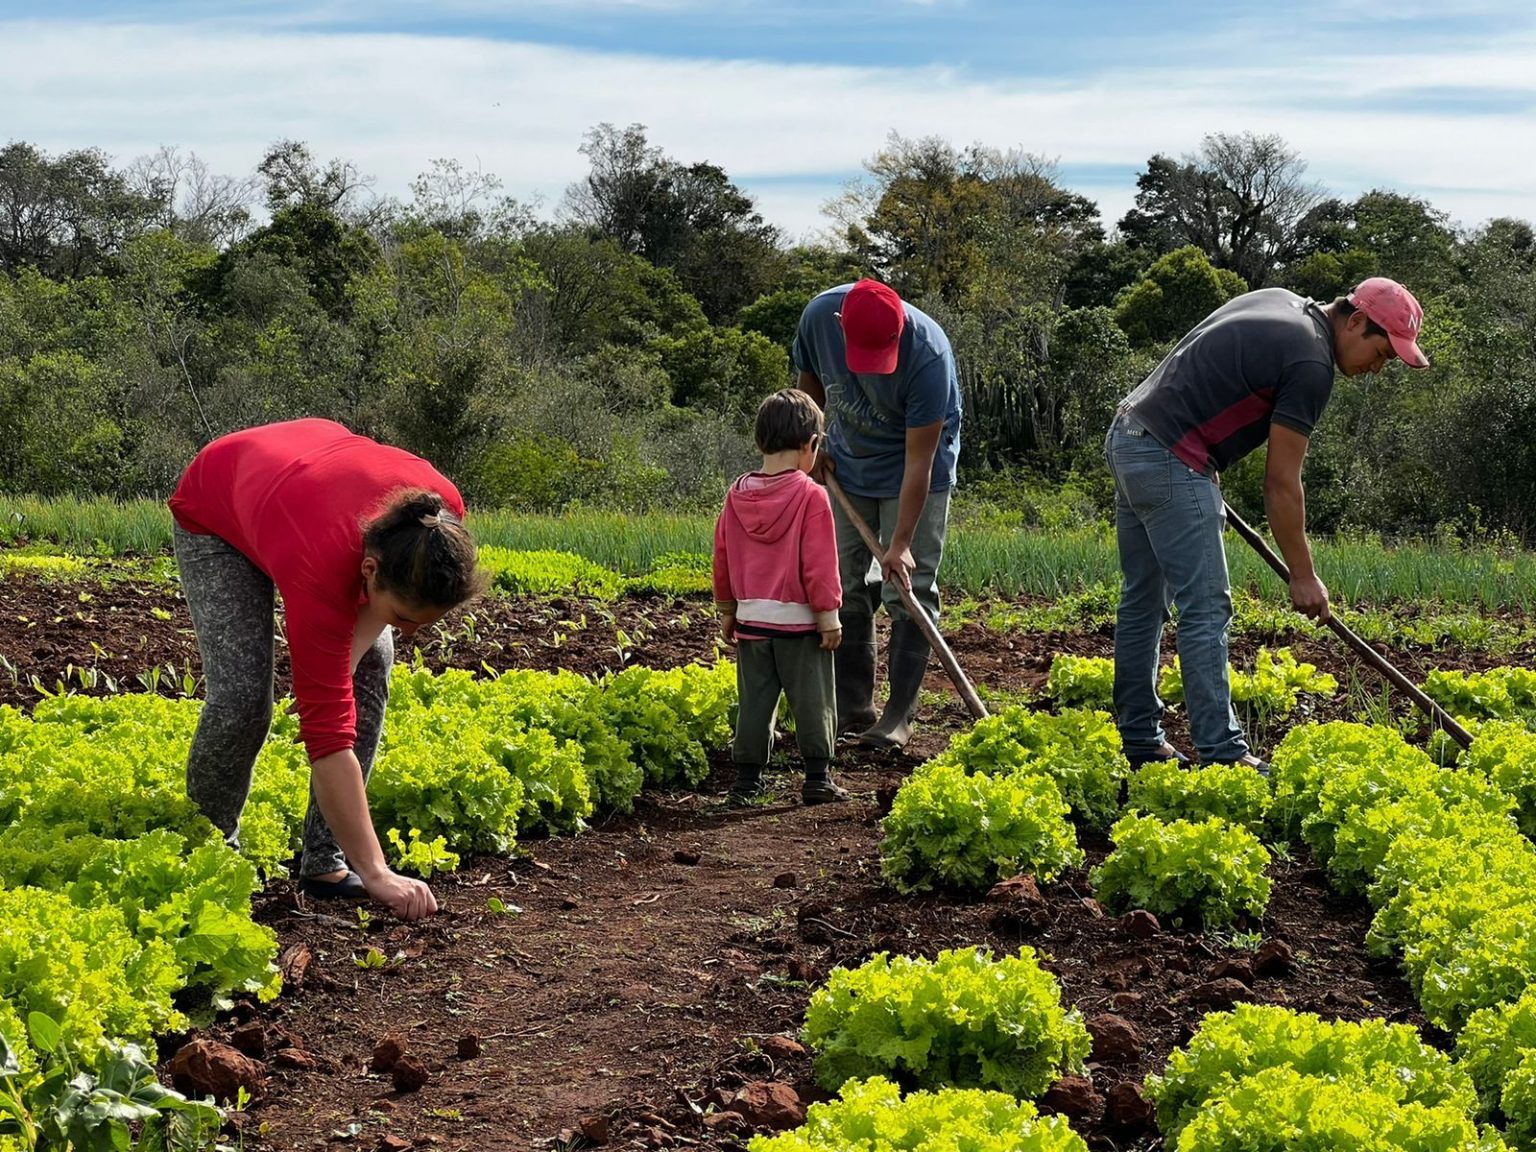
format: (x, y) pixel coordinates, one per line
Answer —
(1393, 307)
(873, 317)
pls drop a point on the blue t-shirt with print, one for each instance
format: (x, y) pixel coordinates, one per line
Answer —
(868, 416)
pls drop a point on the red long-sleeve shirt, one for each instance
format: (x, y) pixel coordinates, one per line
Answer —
(293, 498)
(775, 558)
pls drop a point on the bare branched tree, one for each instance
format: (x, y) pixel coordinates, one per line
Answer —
(196, 203)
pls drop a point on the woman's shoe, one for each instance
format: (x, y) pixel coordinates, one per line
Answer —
(349, 887)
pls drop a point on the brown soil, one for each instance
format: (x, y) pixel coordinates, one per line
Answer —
(654, 954)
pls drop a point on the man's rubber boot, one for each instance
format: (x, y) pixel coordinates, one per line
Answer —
(748, 787)
(907, 662)
(853, 665)
(819, 787)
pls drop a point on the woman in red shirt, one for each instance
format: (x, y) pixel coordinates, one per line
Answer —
(359, 538)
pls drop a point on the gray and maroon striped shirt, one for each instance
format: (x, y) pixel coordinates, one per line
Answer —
(1263, 357)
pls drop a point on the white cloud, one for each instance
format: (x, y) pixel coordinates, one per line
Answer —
(391, 103)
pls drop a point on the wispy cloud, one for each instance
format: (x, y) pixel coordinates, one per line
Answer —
(394, 101)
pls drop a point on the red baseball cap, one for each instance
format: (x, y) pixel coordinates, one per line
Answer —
(872, 316)
(1393, 307)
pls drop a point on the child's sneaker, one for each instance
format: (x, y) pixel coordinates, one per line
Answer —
(821, 792)
(748, 787)
(819, 787)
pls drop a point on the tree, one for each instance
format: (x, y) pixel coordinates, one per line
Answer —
(66, 216)
(195, 203)
(932, 220)
(1180, 290)
(466, 204)
(1240, 200)
(295, 179)
(689, 218)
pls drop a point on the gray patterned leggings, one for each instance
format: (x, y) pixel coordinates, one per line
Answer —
(232, 604)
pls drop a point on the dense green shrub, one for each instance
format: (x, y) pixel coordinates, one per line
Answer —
(963, 1020)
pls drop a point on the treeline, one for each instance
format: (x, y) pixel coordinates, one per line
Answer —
(613, 354)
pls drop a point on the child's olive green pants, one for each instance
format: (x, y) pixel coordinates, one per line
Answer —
(801, 669)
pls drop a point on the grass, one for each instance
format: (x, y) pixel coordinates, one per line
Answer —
(981, 559)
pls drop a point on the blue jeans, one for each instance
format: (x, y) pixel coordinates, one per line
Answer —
(1168, 524)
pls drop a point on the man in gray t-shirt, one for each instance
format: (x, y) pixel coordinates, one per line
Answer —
(884, 373)
(1260, 368)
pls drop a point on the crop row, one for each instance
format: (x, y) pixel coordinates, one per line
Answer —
(122, 910)
(973, 1039)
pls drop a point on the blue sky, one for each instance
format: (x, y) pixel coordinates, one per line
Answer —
(1435, 99)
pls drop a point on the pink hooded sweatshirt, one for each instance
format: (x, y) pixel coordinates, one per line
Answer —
(776, 556)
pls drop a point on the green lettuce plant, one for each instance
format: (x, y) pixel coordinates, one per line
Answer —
(1211, 869)
(963, 1020)
(873, 1116)
(950, 830)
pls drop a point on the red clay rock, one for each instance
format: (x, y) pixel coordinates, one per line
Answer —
(727, 1122)
(295, 1059)
(1126, 1107)
(250, 1039)
(208, 1068)
(1016, 890)
(1221, 993)
(769, 1104)
(594, 1129)
(1274, 958)
(386, 1052)
(294, 964)
(782, 1047)
(281, 1037)
(393, 1143)
(409, 1074)
(1234, 968)
(802, 970)
(1073, 1096)
(1141, 924)
(1115, 1039)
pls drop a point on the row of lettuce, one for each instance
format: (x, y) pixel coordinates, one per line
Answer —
(967, 1041)
(514, 572)
(123, 913)
(551, 572)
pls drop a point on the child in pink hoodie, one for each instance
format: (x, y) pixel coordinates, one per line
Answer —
(778, 592)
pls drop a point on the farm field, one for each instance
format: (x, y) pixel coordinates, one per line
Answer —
(628, 983)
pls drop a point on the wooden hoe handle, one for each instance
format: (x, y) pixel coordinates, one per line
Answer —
(925, 625)
(1372, 657)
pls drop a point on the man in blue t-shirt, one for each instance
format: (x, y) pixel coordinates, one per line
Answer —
(885, 375)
